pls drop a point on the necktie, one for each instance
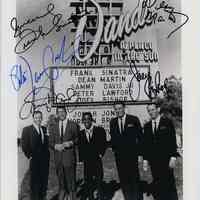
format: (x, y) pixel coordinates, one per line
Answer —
(89, 135)
(121, 126)
(62, 131)
(40, 134)
(155, 127)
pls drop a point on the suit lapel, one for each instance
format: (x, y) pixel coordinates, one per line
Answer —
(34, 135)
(126, 123)
(150, 127)
(93, 136)
(34, 130)
(66, 128)
(57, 132)
(85, 136)
(117, 126)
(160, 124)
(93, 133)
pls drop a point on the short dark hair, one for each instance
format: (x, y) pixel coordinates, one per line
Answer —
(37, 112)
(89, 114)
(60, 107)
(157, 102)
(119, 102)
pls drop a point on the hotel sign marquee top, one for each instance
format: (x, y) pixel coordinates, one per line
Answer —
(105, 66)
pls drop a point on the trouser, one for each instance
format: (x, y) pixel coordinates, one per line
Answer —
(129, 178)
(93, 175)
(163, 180)
(39, 171)
(67, 180)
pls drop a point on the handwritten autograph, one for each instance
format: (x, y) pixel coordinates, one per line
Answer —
(152, 85)
(170, 10)
(22, 74)
(147, 12)
(28, 36)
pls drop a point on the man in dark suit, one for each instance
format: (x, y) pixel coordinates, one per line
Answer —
(63, 137)
(35, 148)
(92, 146)
(126, 134)
(160, 152)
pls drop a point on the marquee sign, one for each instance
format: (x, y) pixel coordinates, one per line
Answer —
(100, 85)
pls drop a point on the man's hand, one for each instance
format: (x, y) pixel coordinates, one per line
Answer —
(145, 165)
(29, 158)
(172, 162)
(59, 147)
(67, 144)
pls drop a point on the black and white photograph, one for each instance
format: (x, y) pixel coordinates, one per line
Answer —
(98, 87)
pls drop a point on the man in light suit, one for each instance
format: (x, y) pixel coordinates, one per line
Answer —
(92, 146)
(126, 135)
(63, 137)
(35, 148)
(160, 153)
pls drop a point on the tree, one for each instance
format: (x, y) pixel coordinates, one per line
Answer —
(171, 102)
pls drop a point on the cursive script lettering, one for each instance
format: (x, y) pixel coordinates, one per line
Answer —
(27, 36)
(153, 85)
(146, 13)
(39, 95)
(22, 74)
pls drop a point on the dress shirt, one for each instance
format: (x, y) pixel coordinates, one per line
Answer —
(89, 133)
(64, 125)
(39, 130)
(123, 122)
(157, 120)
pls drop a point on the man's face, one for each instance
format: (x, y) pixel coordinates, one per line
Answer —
(61, 113)
(119, 109)
(37, 118)
(87, 121)
(153, 111)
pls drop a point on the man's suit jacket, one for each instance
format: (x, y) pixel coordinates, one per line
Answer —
(161, 145)
(127, 144)
(68, 156)
(31, 145)
(91, 151)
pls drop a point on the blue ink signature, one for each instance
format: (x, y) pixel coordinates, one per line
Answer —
(22, 74)
(18, 76)
(61, 56)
